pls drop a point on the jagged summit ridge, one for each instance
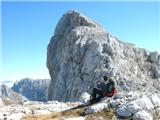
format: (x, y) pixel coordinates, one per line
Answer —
(80, 54)
(73, 19)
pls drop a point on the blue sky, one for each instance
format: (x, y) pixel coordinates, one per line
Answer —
(28, 26)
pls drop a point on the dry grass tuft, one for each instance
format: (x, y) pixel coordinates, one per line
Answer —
(7, 102)
(106, 114)
(53, 116)
(76, 112)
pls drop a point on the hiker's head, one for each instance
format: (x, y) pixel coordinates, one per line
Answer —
(105, 78)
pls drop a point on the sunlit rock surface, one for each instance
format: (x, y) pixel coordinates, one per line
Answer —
(80, 52)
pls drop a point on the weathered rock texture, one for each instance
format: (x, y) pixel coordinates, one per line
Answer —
(32, 89)
(81, 52)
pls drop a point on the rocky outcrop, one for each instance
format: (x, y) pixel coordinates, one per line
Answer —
(133, 105)
(85, 97)
(8, 96)
(81, 52)
(32, 89)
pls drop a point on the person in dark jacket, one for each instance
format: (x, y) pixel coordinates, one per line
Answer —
(105, 88)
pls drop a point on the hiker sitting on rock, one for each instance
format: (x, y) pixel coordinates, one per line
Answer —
(105, 88)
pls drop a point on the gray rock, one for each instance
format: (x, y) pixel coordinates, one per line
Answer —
(32, 89)
(116, 103)
(154, 57)
(136, 104)
(142, 115)
(122, 112)
(155, 71)
(96, 108)
(155, 99)
(81, 52)
(85, 97)
(143, 103)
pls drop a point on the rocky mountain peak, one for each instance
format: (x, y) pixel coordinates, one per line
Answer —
(81, 52)
(72, 19)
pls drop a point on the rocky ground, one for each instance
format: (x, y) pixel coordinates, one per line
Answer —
(17, 112)
(127, 106)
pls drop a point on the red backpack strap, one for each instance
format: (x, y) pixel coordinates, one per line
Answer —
(112, 93)
(115, 90)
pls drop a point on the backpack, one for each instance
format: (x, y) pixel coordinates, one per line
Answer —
(111, 90)
(110, 87)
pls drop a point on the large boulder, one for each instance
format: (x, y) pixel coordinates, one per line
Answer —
(154, 57)
(96, 108)
(137, 105)
(140, 104)
(85, 97)
(80, 52)
(142, 115)
(122, 112)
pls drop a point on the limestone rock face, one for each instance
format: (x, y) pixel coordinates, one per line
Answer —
(81, 52)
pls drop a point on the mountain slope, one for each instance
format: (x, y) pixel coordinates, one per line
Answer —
(35, 90)
(8, 96)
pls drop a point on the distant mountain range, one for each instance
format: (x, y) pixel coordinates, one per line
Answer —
(32, 89)
(8, 96)
(8, 83)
